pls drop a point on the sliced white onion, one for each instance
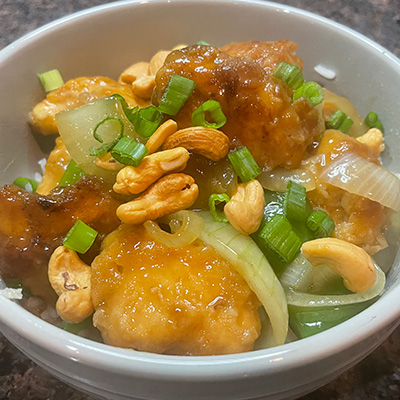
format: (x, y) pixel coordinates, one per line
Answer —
(356, 175)
(277, 179)
(298, 275)
(300, 299)
(190, 226)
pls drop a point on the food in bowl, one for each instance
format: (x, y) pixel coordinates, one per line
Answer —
(202, 204)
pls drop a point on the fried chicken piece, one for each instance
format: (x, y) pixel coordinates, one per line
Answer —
(32, 226)
(357, 219)
(183, 301)
(55, 167)
(258, 108)
(267, 54)
(74, 93)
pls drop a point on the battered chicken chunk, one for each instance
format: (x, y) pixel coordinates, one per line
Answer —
(258, 107)
(267, 54)
(74, 93)
(185, 301)
(357, 219)
(32, 226)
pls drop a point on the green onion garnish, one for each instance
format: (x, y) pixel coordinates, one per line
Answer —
(80, 237)
(290, 74)
(340, 121)
(30, 185)
(320, 223)
(102, 149)
(209, 114)
(295, 204)
(372, 121)
(76, 328)
(217, 199)
(119, 125)
(203, 43)
(51, 80)
(147, 120)
(71, 174)
(177, 92)
(244, 164)
(129, 112)
(312, 91)
(278, 235)
(129, 152)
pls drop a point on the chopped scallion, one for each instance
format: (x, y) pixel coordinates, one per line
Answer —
(76, 328)
(290, 74)
(71, 174)
(102, 149)
(340, 121)
(320, 223)
(295, 203)
(111, 123)
(147, 120)
(129, 152)
(203, 43)
(176, 94)
(129, 112)
(312, 91)
(30, 185)
(279, 236)
(244, 164)
(209, 114)
(80, 237)
(217, 199)
(372, 121)
(51, 80)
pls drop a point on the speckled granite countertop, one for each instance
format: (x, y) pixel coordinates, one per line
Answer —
(376, 377)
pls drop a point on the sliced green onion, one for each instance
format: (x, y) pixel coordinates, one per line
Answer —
(30, 185)
(209, 114)
(129, 152)
(340, 121)
(177, 92)
(71, 174)
(119, 127)
(290, 74)
(203, 43)
(312, 91)
(372, 121)
(76, 328)
(51, 80)
(102, 149)
(129, 112)
(278, 235)
(244, 164)
(147, 120)
(295, 204)
(214, 200)
(320, 223)
(80, 237)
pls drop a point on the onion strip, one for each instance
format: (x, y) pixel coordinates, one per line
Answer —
(356, 175)
(300, 299)
(277, 179)
(248, 260)
(186, 227)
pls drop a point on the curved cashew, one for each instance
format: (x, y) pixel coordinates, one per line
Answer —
(169, 194)
(350, 261)
(208, 142)
(133, 72)
(70, 278)
(157, 139)
(246, 207)
(157, 61)
(133, 180)
(373, 138)
(143, 86)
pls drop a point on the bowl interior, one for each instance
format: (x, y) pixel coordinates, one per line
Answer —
(106, 40)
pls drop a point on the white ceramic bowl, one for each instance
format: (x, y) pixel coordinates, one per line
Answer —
(103, 41)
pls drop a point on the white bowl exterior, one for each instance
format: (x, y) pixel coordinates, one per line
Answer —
(104, 41)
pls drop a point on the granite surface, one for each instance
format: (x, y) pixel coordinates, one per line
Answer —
(377, 376)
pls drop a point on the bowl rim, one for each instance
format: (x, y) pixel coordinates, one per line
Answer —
(211, 368)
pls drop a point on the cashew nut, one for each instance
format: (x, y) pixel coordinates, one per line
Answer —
(246, 207)
(143, 86)
(70, 278)
(350, 261)
(157, 139)
(157, 61)
(133, 72)
(373, 138)
(169, 194)
(208, 142)
(133, 180)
